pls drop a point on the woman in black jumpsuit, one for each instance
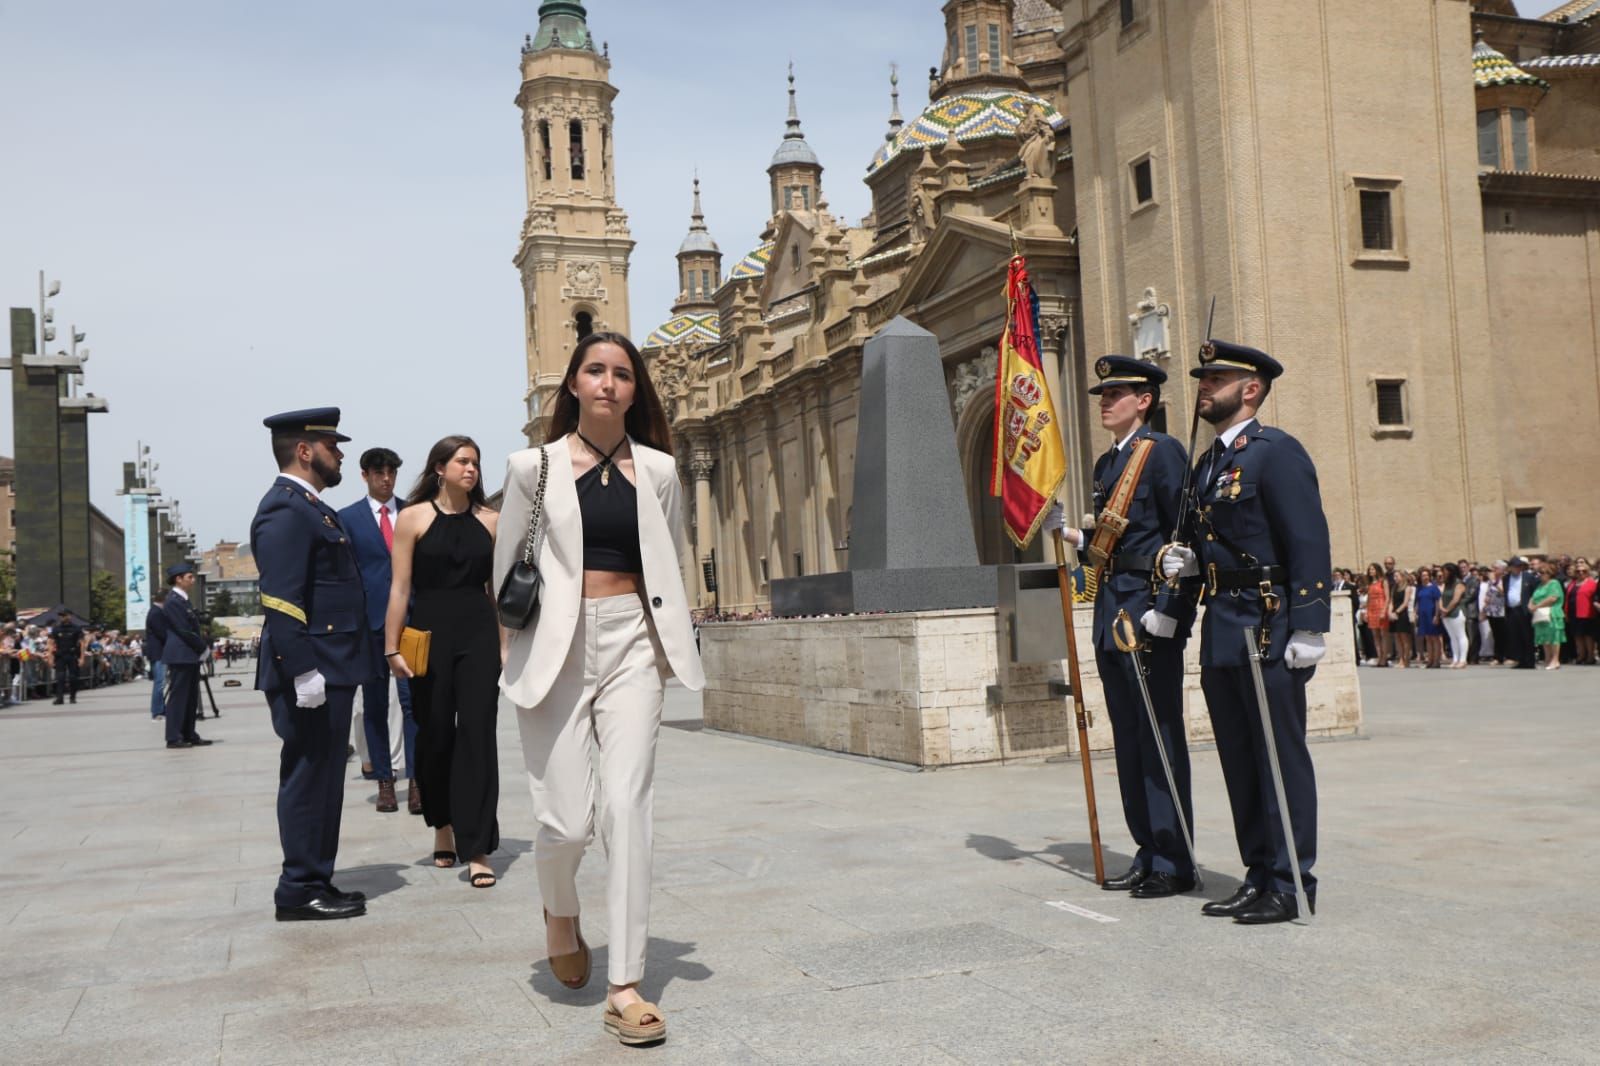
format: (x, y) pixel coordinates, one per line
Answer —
(443, 560)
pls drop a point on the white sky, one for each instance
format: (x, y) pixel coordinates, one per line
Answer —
(256, 207)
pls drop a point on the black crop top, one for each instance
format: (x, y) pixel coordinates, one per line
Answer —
(610, 523)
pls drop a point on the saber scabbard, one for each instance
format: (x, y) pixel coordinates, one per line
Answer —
(1064, 577)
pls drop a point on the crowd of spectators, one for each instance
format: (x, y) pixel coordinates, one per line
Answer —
(32, 666)
(1514, 612)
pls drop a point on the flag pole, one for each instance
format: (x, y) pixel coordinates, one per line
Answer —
(1064, 578)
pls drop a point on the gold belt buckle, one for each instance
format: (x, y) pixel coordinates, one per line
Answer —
(1269, 599)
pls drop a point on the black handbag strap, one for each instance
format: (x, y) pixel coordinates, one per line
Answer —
(528, 548)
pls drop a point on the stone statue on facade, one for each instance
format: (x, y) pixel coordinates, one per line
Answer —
(1038, 144)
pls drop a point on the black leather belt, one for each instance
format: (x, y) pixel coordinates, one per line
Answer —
(1130, 564)
(1247, 577)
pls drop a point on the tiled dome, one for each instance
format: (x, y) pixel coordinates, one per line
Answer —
(701, 328)
(1490, 69)
(975, 116)
(753, 265)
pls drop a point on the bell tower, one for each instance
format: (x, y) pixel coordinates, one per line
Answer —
(574, 247)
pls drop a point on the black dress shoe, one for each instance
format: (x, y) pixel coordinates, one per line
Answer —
(1234, 904)
(179, 744)
(200, 742)
(1157, 885)
(323, 908)
(353, 897)
(1272, 907)
(1128, 880)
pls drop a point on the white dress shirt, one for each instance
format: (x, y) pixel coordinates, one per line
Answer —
(378, 508)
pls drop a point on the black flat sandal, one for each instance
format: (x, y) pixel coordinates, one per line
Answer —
(440, 856)
(483, 879)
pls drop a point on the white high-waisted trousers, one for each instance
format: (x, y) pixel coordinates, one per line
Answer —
(602, 714)
(1457, 629)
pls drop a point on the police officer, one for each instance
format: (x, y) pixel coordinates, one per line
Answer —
(315, 651)
(182, 652)
(1261, 556)
(66, 655)
(1129, 391)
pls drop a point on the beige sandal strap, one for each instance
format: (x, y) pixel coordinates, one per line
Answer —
(634, 1011)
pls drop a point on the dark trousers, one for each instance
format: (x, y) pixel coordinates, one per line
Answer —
(1147, 802)
(1474, 638)
(158, 688)
(458, 765)
(183, 700)
(375, 723)
(310, 790)
(1497, 630)
(1519, 636)
(1242, 748)
(67, 680)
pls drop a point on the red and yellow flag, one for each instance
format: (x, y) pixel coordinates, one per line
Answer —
(1029, 460)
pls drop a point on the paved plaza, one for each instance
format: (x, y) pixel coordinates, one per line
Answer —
(815, 909)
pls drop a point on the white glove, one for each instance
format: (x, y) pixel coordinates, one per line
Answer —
(1179, 561)
(1055, 518)
(310, 689)
(1305, 649)
(1157, 624)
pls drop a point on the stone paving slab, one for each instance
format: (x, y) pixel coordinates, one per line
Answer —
(814, 909)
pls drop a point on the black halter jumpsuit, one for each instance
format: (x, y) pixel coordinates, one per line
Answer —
(457, 702)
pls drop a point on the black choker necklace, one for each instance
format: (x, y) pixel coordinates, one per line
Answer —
(604, 458)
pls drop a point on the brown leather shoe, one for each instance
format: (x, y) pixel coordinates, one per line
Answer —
(413, 798)
(572, 969)
(387, 804)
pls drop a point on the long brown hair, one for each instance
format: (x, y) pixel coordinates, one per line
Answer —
(645, 421)
(427, 485)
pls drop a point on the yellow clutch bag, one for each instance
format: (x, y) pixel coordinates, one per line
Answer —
(414, 645)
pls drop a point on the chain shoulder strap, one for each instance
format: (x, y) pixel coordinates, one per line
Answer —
(534, 516)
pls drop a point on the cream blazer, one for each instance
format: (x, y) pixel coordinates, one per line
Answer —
(534, 655)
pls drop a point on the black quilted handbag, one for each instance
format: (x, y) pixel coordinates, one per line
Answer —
(518, 601)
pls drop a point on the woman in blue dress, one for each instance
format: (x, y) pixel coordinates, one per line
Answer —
(1430, 627)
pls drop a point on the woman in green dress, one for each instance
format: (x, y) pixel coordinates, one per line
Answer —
(1546, 603)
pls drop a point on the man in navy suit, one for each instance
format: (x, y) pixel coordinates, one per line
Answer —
(155, 637)
(370, 521)
(1263, 561)
(1518, 585)
(182, 651)
(1129, 390)
(316, 647)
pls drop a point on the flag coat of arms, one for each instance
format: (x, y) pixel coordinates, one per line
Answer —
(1030, 462)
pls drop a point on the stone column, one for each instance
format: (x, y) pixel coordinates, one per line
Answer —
(702, 462)
(1066, 387)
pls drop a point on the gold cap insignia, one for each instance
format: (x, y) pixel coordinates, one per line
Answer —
(1208, 352)
(1103, 367)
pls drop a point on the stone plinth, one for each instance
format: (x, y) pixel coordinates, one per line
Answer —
(929, 688)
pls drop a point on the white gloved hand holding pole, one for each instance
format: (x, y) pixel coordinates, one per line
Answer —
(1305, 649)
(1178, 561)
(1157, 624)
(310, 689)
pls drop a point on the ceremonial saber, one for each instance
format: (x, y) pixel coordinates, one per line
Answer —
(1254, 651)
(1127, 639)
(1064, 579)
(1185, 490)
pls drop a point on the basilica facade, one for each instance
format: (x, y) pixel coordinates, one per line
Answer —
(1409, 221)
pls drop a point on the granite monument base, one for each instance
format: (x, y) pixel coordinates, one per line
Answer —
(931, 588)
(936, 688)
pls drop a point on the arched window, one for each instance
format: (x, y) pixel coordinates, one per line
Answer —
(583, 322)
(1519, 139)
(705, 282)
(605, 148)
(575, 133)
(544, 146)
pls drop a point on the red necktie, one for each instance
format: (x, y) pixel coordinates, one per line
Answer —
(386, 526)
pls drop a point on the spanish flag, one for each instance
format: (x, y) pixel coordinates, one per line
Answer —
(1029, 460)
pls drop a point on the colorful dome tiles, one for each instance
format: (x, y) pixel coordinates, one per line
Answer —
(974, 116)
(1490, 69)
(688, 328)
(753, 265)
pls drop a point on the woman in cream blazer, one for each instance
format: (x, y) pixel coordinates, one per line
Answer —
(587, 676)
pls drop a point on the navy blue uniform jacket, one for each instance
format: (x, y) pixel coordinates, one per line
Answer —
(311, 594)
(1152, 518)
(155, 632)
(184, 643)
(1276, 516)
